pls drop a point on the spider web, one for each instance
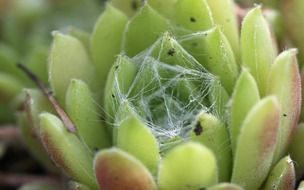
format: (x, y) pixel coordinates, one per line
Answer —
(169, 90)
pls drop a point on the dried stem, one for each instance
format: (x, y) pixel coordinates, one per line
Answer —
(49, 94)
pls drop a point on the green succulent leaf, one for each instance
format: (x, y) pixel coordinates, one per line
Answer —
(188, 166)
(211, 132)
(165, 8)
(257, 47)
(68, 59)
(32, 141)
(116, 170)
(143, 30)
(128, 7)
(226, 20)
(83, 110)
(35, 103)
(245, 87)
(119, 81)
(83, 36)
(168, 50)
(193, 15)
(285, 83)
(256, 144)
(225, 186)
(134, 137)
(66, 150)
(105, 43)
(220, 59)
(213, 51)
(282, 176)
(295, 149)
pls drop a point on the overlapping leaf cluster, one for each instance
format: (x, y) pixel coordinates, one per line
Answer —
(168, 95)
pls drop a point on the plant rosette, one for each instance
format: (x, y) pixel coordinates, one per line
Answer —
(167, 95)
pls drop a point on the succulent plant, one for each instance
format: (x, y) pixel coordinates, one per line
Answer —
(167, 95)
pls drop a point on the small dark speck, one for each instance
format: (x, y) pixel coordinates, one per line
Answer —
(50, 93)
(116, 67)
(202, 188)
(206, 34)
(113, 96)
(194, 44)
(192, 19)
(210, 57)
(171, 51)
(285, 115)
(134, 5)
(198, 129)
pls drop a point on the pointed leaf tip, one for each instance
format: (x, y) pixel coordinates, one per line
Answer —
(258, 49)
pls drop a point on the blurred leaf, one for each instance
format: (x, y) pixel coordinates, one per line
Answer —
(63, 147)
(105, 44)
(33, 143)
(68, 59)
